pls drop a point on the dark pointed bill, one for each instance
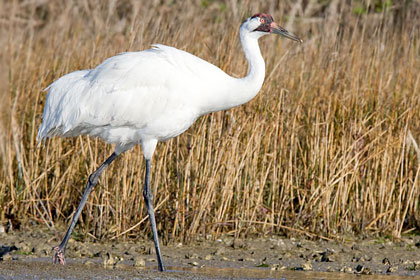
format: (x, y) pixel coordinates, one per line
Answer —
(277, 29)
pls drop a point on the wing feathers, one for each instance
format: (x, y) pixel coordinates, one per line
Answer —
(131, 89)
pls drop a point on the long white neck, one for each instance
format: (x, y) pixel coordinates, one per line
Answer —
(252, 83)
(233, 92)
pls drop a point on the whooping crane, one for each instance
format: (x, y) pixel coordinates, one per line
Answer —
(149, 96)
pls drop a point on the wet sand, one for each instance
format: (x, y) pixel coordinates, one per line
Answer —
(27, 254)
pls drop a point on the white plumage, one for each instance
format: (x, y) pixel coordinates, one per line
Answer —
(149, 96)
(153, 94)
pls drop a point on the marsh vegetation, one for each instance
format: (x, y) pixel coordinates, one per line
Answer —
(326, 150)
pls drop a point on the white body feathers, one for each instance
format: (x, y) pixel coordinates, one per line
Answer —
(148, 96)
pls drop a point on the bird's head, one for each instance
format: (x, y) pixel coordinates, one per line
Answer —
(262, 24)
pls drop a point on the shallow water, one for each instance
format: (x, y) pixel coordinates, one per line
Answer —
(43, 269)
(253, 273)
(27, 255)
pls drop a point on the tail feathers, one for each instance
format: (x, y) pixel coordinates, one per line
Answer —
(62, 106)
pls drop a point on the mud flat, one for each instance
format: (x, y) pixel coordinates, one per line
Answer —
(27, 254)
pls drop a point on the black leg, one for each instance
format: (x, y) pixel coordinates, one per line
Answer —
(92, 181)
(148, 197)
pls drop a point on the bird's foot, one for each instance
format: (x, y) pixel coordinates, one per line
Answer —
(58, 256)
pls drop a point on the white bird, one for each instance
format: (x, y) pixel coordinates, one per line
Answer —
(149, 96)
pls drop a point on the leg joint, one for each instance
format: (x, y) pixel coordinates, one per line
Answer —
(148, 196)
(93, 179)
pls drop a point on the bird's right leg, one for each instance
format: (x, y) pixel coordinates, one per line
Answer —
(92, 181)
(148, 197)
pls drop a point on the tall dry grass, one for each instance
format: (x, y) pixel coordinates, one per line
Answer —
(327, 149)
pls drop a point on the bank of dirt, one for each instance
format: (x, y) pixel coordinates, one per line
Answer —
(27, 253)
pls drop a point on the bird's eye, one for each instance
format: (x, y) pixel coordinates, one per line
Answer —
(262, 20)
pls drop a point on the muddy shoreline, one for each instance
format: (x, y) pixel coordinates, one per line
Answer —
(28, 252)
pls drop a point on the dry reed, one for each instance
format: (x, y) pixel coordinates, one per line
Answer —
(327, 149)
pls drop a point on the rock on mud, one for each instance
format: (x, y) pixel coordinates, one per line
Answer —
(139, 262)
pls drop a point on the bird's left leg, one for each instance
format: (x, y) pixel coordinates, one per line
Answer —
(92, 181)
(148, 197)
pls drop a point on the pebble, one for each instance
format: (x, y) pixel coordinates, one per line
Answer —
(194, 263)
(307, 267)
(346, 269)
(208, 257)
(139, 262)
(277, 267)
(360, 269)
(411, 265)
(327, 256)
(386, 261)
(274, 267)
(416, 265)
(7, 257)
(191, 256)
(110, 260)
(392, 269)
(361, 258)
(407, 264)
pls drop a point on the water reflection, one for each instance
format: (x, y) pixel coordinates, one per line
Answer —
(256, 273)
